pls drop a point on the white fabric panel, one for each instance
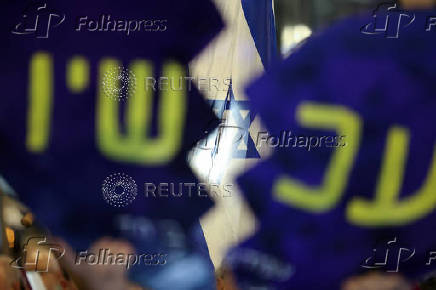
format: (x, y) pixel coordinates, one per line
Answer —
(231, 55)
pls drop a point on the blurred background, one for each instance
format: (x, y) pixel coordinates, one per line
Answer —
(230, 221)
(298, 19)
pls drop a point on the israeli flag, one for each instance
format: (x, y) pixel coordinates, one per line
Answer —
(244, 50)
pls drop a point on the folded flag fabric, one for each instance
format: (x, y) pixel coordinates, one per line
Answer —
(351, 184)
(95, 108)
(240, 53)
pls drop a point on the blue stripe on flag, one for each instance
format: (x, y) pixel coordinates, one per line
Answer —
(260, 18)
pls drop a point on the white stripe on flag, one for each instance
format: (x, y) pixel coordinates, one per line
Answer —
(232, 54)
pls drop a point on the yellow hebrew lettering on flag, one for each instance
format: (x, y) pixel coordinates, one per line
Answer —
(77, 74)
(322, 198)
(387, 209)
(40, 102)
(136, 146)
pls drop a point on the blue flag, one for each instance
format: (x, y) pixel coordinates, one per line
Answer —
(81, 134)
(351, 184)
